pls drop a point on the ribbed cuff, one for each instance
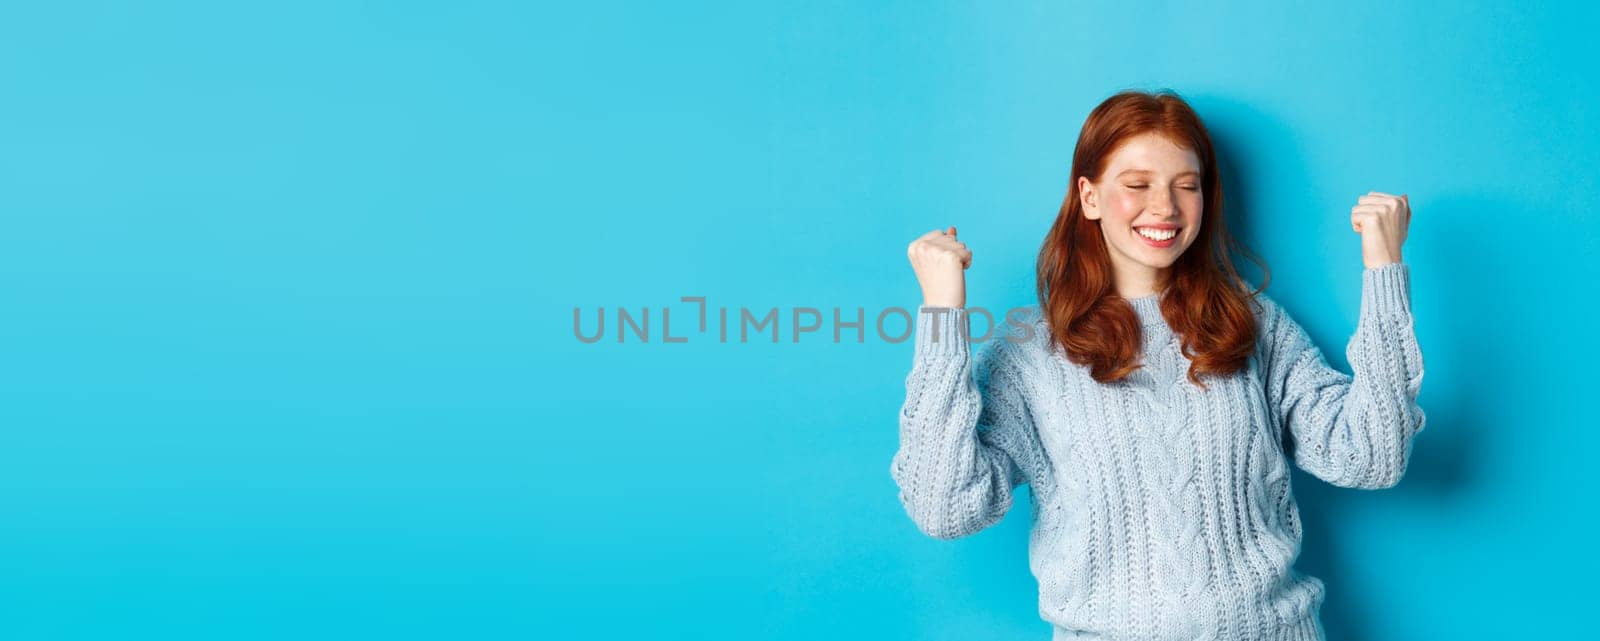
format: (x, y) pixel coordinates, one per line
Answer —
(1386, 290)
(942, 332)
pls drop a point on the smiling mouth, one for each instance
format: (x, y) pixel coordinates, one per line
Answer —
(1158, 238)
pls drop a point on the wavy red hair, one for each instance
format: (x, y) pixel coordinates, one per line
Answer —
(1203, 298)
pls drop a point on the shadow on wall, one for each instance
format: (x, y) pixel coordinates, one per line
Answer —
(1443, 455)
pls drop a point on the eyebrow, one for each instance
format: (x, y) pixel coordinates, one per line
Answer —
(1147, 171)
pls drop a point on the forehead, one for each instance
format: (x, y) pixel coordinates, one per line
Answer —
(1152, 152)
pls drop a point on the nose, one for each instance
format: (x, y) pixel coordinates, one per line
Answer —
(1161, 203)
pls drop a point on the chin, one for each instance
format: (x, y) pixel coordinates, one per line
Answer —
(1163, 261)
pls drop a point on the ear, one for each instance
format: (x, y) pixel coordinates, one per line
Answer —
(1087, 197)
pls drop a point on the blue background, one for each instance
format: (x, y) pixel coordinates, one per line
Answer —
(287, 347)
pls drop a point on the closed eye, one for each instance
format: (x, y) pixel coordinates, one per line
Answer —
(1188, 187)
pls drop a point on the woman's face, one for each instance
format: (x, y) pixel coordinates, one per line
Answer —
(1148, 203)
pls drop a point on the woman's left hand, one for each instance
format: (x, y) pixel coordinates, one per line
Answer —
(1382, 220)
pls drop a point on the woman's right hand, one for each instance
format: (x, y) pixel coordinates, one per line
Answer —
(939, 259)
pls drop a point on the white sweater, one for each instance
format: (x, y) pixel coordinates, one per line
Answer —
(1160, 510)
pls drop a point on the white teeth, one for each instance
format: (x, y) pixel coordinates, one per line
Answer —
(1157, 234)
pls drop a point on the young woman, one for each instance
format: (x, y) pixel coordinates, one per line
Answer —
(1153, 399)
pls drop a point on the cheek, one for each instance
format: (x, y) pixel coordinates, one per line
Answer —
(1193, 208)
(1124, 206)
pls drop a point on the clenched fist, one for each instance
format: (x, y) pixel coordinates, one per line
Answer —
(938, 259)
(1382, 220)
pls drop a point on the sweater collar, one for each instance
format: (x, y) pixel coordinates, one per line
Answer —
(1148, 308)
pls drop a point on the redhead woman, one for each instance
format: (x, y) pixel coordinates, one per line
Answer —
(1154, 400)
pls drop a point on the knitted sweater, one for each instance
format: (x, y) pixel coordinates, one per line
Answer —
(1161, 510)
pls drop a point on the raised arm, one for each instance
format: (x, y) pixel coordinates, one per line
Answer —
(967, 436)
(1351, 431)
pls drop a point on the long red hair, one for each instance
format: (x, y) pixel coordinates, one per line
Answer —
(1203, 298)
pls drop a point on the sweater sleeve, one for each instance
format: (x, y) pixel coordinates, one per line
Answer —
(967, 436)
(1352, 431)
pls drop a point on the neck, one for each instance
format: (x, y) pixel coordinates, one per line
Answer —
(1135, 280)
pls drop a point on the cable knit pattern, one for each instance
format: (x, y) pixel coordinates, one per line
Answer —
(1161, 510)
